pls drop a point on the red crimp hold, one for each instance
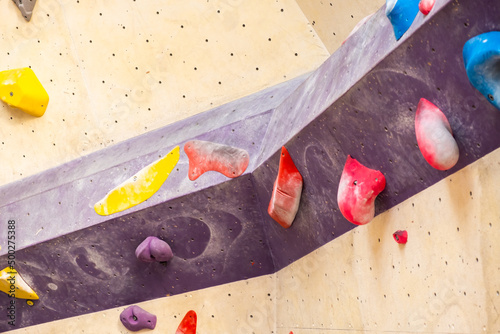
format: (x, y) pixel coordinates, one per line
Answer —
(358, 188)
(425, 6)
(188, 324)
(434, 136)
(287, 189)
(206, 156)
(401, 237)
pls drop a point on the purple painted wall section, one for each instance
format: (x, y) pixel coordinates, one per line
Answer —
(374, 122)
(215, 234)
(357, 56)
(72, 189)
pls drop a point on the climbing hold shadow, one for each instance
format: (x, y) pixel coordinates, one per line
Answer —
(15, 286)
(435, 137)
(358, 188)
(401, 13)
(153, 249)
(425, 6)
(20, 88)
(400, 236)
(139, 187)
(206, 156)
(482, 63)
(26, 7)
(287, 189)
(188, 324)
(134, 318)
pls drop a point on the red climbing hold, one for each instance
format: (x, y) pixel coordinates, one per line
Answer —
(401, 237)
(434, 136)
(358, 188)
(207, 156)
(188, 324)
(425, 6)
(287, 189)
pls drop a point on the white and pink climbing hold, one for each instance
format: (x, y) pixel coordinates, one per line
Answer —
(287, 190)
(358, 188)
(206, 156)
(435, 137)
(425, 6)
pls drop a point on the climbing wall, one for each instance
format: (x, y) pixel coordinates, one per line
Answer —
(116, 70)
(230, 257)
(444, 280)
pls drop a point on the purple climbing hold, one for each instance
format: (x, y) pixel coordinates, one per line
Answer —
(153, 249)
(135, 318)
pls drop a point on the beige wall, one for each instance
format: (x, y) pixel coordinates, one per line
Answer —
(333, 20)
(446, 279)
(237, 308)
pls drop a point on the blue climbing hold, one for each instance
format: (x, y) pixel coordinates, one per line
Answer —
(401, 13)
(482, 64)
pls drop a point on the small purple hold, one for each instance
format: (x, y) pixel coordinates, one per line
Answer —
(135, 318)
(153, 249)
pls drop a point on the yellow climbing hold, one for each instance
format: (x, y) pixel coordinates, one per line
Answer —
(139, 187)
(21, 89)
(13, 284)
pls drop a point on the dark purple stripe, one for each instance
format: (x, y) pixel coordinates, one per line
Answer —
(215, 234)
(374, 122)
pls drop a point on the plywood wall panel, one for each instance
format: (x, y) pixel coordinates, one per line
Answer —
(445, 279)
(333, 20)
(236, 308)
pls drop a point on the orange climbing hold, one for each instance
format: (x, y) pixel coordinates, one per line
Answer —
(188, 324)
(287, 189)
(358, 188)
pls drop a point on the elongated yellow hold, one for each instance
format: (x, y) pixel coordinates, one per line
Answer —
(13, 284)
(21, 89)
(139, 187)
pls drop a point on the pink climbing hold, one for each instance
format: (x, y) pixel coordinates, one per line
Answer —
(400, 236)
(287, 189)
(434, 136)
(425, 6)
(188, 324)
(207, 156)
(358, 188)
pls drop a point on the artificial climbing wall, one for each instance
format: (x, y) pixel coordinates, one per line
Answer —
(446, 279)
(116, 70)
(275, 291)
